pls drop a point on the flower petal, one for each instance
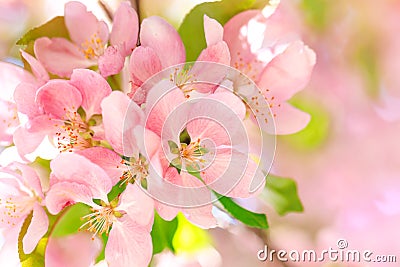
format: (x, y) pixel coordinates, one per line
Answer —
(211, 74)
(161, 101)
(93, 89)
(125, 29)
(111, 62)
(36, 230)
(10, 76)
(63, 194)
(288, 72)
(213, 30)
(37, 68)
(59, 56)
(143, 64)
(120, 115)
(76, 168)
(289, 119)
(128, 244)
(163, 39)
(57, 97)
(107, 159)
(82, 24)
(137, 205)
(8, 122)
(24, 96)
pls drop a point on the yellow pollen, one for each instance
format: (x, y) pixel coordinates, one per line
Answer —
(71, 132)
(100, 220)
(137, 169)
(93, 48)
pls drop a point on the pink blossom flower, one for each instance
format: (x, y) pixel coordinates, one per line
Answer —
(264, 48)
(211, 153)
(53, 110)
(127, 219)
(161, 47)
(10, 76)
(89, 38)
(20, 194)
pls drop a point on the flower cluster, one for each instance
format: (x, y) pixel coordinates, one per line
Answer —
(169, 143)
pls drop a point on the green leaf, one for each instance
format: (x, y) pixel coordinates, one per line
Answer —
(192, 28)
(282, 194)
(162, 234)
(71, 221)
(53, 28)
(247, 217)
(116, 190)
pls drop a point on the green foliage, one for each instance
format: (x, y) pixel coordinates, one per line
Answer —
(70, 221)
(192, 28)
(247, 217)
(163, 233)
(316, 13)
(53, 28)
(282, 194)
(189, 238)
(116, 190)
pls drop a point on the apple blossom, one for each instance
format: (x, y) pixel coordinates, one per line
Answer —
(89, 38)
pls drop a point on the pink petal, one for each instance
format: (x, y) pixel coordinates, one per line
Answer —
(27, 141)
(93, 89)
(25, 96)
(29, 177)
(76, 168)
(213, 30)
(125, 29)
(37, 68)
(111, 62)
(164, 39)
(161, 101)
(120, 114)
(82, 24)
(166, 212)
(128, 244)
(107, 159)
(58, 97)
(211, 73)
(235, 35)
(143, 64)
(137, 205)
(147, 141)
(63, 194)
(36, 230)
(289, 119)
(199, 215)
(77, 250)
(8, 122)
(9, 250)
(288, 72)
(60, 56)
(10, 76)
(218, 53)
